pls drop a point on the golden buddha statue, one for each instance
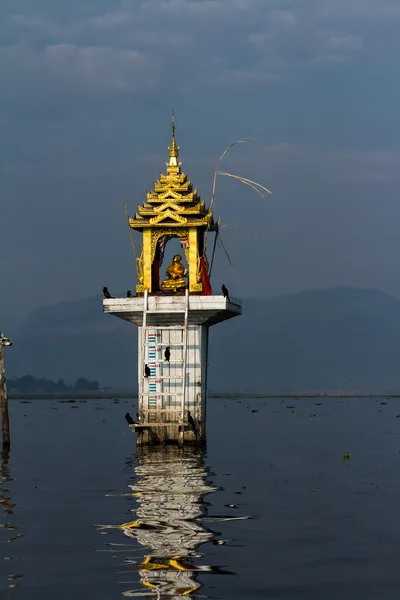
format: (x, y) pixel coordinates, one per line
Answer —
(175, 275)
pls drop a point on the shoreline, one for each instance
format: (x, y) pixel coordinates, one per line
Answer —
(117, 395)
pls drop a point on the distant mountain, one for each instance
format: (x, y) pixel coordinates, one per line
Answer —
(336, 339)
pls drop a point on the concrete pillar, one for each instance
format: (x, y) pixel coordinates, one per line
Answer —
(160, 397)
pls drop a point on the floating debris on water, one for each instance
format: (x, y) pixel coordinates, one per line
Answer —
(9, 526)
(16, 537)
(213, 519)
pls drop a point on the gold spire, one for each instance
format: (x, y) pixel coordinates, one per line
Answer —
(173, 148)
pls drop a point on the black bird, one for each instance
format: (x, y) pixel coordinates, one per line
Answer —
(147, 371)
(129, 294)
(106, 293)
(225, 292)
(129, 419)
(191, 421)
(167, 353)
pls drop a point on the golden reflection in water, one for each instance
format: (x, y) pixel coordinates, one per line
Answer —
(170, 489)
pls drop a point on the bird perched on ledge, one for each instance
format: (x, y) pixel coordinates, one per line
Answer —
(147, 371)
(191, 421)
(167, 353)
(129, 419)
(106, 293)
(225, 292)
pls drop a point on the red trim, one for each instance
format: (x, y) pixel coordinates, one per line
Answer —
(205, 280)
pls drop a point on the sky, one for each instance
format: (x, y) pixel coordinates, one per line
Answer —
(87, 90)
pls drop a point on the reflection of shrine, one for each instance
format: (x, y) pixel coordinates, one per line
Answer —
(170, 489)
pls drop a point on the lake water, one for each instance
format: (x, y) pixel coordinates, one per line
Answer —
(271, 509)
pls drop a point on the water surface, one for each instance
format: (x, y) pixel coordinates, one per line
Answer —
(85, 515)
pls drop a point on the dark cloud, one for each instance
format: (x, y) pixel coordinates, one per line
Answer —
(87, 90)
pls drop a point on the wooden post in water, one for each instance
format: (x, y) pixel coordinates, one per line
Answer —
(5, 421)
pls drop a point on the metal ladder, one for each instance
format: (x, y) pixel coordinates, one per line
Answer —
(145, 344)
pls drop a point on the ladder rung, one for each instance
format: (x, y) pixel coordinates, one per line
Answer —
(161, 410)
(169, 328)
(161, 394)
(162, 364)
(163, 424)
(172, 361)
(165, 312)
(165, 377)
(170, 345)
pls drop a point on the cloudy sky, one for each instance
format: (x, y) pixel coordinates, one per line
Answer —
(87, 89)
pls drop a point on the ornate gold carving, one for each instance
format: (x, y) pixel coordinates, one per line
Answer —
(140, 263)
(187, 253)
(172, 208)
(171, 194)
(169, 204)
(168, 214)
(157, 233)
(196, 287)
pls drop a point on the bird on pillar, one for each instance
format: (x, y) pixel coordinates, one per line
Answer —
(191, 421)
(106, 293)
(225, 292)
(129, 294)
(129, 419)
(167, 353)
(147, 371)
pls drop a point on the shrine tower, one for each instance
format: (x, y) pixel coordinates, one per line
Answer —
(173, 314)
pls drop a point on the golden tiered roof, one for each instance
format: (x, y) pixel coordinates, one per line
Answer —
(173, 202)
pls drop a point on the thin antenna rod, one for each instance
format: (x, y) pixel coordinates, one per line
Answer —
(132, 242)
(216, 172)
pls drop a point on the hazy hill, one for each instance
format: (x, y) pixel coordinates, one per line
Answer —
(328, 340)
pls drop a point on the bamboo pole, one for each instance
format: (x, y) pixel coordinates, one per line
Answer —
(5, 420)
